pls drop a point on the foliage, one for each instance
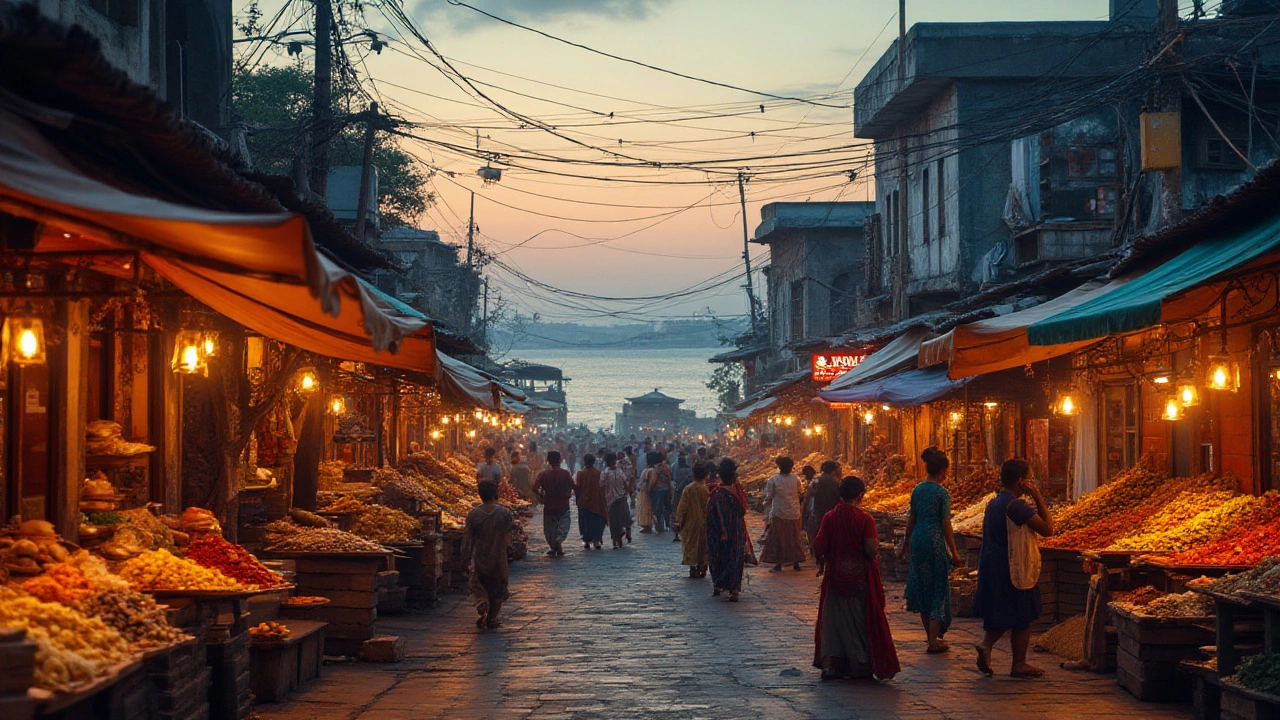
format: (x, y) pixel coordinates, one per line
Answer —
(1261, 672)
(726, 383)
(276, 102)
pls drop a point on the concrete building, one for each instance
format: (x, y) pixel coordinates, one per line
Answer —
(814, 277)
(432, 279)
(1004, 147)
(181, 49)
(654, 413)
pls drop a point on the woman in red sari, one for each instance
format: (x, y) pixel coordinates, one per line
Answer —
(852, 638)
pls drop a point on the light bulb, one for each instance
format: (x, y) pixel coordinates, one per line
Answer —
(868, 417)
(1172, 410)
(28, 344)
(190, 358)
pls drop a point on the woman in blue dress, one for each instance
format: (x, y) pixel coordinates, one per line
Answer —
(932, 549)
(1003, 607)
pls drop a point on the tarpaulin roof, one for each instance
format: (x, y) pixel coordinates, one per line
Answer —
(358, 323)
(38, 182)
(1000, 342)
(899, 354)
(458, 382)
(746, 412)
(905, 389)
(1144, 300)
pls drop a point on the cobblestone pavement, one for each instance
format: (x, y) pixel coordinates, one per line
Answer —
(623, 634)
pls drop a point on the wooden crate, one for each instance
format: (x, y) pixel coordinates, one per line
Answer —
(1241, 703)
(277, 668)
(1151, 650)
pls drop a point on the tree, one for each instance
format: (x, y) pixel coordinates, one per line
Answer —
(726, 383)
(275, 101)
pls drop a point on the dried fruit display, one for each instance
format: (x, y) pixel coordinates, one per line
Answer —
(1141, 596)
(970, 519)
(134, 615)
(63, 583)
(1245, 544)
(1127, 490)
(978, 483)
(284, 536)
(1246, 581)
(70, 647)
(345, 504)
(269, 631)
(1181, 605)
(161, 570)
(385, 524)
(331, 477)
(306, 518)
(93, 568)
(233, 561)
(33, 549)
(1203, 527)
(305, 601)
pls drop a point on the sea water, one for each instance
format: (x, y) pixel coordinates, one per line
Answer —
(602, 378)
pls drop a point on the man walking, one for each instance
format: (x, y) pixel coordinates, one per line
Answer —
(484, 546)
(489, 470)
(521, 477)
(553, 488)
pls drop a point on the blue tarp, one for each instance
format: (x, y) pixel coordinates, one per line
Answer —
(1138, 304)
(905, 389)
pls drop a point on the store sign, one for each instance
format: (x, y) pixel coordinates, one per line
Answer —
(828, 366)
(840, 405)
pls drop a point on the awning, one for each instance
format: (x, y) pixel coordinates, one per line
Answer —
(38, 182)
(460, 383)
(747, 411)
(899, 354)
(364, 326)
(542, 404)
(1144, 301)
(514, 406)
(1000, 343)
(905, 389)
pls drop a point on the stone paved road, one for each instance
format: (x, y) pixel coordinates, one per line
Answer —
(621, 634)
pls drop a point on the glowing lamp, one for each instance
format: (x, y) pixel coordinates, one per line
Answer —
(188, 355)
(307, 381)
(1222, 374)
(444, 420)
(955, 418)
(471, 433)
(868, 417)
(209, 344)
(338, 405)
(1172, 409)
(25, 336)
(790, 421)
(884, 407)
(817, 429)
(435, 434)
(1161, 379)
(1065, 405)
(808, 432)
(990, 405)
(479, 415)
(1188, 395)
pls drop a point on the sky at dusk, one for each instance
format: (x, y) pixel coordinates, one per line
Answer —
(577, 223)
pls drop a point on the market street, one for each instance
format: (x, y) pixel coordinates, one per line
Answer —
(622, 634)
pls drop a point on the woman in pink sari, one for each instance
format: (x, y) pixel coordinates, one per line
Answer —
(852, 638)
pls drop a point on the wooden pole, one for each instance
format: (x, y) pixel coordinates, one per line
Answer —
(366, 170)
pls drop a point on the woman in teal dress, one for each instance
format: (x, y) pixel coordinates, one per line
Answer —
(932, 549)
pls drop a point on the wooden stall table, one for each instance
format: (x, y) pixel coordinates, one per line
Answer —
(351, 581)
(280, 666)
(1151, 650)
(121, 692)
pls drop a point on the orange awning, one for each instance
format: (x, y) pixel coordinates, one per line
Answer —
(38, 182)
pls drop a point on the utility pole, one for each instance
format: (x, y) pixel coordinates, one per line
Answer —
(484, 319)
(754, 306)
(366, 169)
(1170, 101)
(901, 307)
(322, 100)
(471, 231)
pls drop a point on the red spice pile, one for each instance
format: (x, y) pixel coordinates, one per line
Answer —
(234, 561)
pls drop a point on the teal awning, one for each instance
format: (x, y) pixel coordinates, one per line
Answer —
(1140, 302)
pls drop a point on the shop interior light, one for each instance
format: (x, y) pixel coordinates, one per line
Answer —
(1222, 374)
(435, 434)
(471, 433)
(444, 420)
(884, 407)
(209, 344)
(188, 357)
(1188, 394)
(338, 405)
(1172, 409)
(479, 415)
(990, 405)
(955, 418)
(817, 429)
(307, 381)
(868, 417)
(808, 432)
(790, 421)
(25, 336)
(1065, 404)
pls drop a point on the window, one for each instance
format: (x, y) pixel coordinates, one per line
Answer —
(924, 205)
(844, 292)
(797, 310)
(1214, 153)
(942, 197)
(1087, 161)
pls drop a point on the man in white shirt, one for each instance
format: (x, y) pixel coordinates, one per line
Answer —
(783, 542)
(489, 470)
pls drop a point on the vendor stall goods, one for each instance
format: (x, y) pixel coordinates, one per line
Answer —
(134, 615)
(1066, 639)
(1244, 544)
(385, 524)
(970, 519)
(70, 647)
(968, 486)
(1202, 527)
(233, 561)
(331, 475)
(32, 549)
(161, 570)
(306, 518)
(1260, 672)
(269, 631)
(1178, 605)
(345, 504)
(284, 536)
(61, 583)
(1261, 579)
(1125, 491)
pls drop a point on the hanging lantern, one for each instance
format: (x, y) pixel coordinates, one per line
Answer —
(471, 433)
(1188, 394)
(435, 434)
(188, 356)
(955, 418)
(209, 343)
(25, 338)
(868, 417)
(808, 432)
(1222, 374)
(479, 415)
(1065, 404)
(790, 421)
(1172, 409)
(308, 382)
(338, 405)
(444, 420)
(817, 429)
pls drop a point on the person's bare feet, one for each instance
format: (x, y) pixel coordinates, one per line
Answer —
(938, 646)
(1026, 671)
(984, 659)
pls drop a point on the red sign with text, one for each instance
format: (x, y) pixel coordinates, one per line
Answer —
(828, 366)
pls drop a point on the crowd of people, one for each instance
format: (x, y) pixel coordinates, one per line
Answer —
(696, 494)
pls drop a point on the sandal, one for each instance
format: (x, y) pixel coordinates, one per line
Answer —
(984, 660)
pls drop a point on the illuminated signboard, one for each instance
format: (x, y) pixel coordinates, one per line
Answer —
(828, 366)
